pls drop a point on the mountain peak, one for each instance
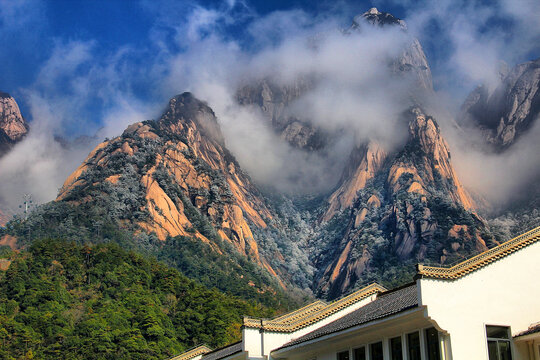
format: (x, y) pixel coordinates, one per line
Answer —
(372, 11)
(376, 17)
(185, 111)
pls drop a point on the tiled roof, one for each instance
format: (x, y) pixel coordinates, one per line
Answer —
(481, 260)
(190, 354)
(223, 352)
(531, 330)
(386, 304)
(312, 313)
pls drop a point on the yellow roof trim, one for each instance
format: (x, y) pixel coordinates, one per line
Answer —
(190, 354)
(480, 260)
(311, 313)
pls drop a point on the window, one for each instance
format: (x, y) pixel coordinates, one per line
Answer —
(498, 339)
(376, 351)
(396, 352)
(432, 344)
(360, 353)
(413, 346)
(344, 355)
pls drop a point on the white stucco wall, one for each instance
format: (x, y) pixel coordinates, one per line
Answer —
(259, 344)
(506, 293)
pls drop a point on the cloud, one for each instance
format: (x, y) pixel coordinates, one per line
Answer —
(499, 178)
(213, 50)
(73, 87)
(354, 89)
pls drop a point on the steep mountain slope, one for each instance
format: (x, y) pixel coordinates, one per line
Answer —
(172, 185)
(508, 111)
(174, 177)
(396, 209)
(170, 188)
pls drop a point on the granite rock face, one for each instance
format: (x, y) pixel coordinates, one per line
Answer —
(178, 168)
(507, 112)
(412, 62)
(405, 205)
(13, 127)
(274, 99)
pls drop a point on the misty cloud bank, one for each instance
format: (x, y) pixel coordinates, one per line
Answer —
(80, 90)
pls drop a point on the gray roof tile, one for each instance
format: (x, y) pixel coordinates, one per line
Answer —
(531, 330)
(223, 352)
(386, 304)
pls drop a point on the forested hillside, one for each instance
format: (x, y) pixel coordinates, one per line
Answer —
(63, 300)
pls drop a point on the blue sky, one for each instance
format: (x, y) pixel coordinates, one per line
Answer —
(93, 67)
(35, 31)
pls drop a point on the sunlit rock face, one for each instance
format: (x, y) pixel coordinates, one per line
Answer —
(12, 125)
(173, 168)
(405, 205)
(508, 111)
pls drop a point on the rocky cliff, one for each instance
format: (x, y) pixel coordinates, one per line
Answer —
(396, 209)
(13, 128)
(508, 111)
(174, 177)
(412, 62)
(12, 125)
(274, 98)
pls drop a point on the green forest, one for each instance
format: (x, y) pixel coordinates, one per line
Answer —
(65, 300)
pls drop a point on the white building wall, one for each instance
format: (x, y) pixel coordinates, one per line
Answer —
(260, 343)
(506, 293)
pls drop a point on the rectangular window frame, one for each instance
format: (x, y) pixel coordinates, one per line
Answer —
(366, 353)
(348, 351)
(382, 342)
(507, 340)
(398, 355)
(408, 345)
(427, 344)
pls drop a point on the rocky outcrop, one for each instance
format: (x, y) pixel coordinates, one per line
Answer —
(273, 100)
(404, 206)
(13, 129)
(412, 62)
(506, 113)
(431, 167)
(12, 125)
(364, 163)
(185, 180)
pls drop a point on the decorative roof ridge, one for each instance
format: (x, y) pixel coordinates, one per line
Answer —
(302, 312)
(300, 319)
(193, 352)
(479, 261)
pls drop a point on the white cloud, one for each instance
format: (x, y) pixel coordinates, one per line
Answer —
(191, 50)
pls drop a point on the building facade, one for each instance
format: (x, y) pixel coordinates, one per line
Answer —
(482, 308)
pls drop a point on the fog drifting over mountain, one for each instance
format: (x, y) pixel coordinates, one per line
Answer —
(192, 51)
